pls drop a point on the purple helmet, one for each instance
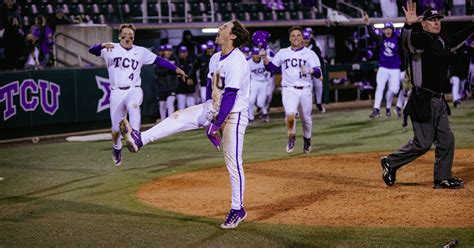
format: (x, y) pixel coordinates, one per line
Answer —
(167, 47)
(388, 25)
(162, 48)
(260, 39)
(245, 49)
(183, 49)
(255, 50)
(203, 47)
(306, 35)
(308, 29)
(210, 44)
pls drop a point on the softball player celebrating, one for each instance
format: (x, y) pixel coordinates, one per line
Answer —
(298, 65)
(228, 92)
(124, 62)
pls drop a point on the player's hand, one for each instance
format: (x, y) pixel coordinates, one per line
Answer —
(190, 82)
(109, 46)
(410, 13)
(366, 18)
(263, 53)
(181, 74)
(212, 132)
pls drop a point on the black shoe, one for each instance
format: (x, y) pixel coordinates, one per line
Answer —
(389, 173)
(375, 113)
(453, 183)
(388, 112)
(457, 103)
(307, 145)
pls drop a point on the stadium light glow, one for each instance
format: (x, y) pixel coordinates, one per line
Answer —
(396, 25)
(210, 30)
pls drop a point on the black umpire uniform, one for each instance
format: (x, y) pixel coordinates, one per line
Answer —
(427, 107)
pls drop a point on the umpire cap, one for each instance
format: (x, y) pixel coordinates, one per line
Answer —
(431, 14)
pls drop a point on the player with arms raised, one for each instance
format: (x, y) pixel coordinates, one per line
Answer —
(124, 62)
(228, 92)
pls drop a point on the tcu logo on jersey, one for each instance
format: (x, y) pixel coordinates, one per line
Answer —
(389, 46)
(125, 62)
(32, 95)
(260, 70)
(293, 62)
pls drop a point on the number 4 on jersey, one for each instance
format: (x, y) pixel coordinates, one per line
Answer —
(131, 76)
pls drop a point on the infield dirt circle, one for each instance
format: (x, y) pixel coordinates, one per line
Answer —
(330, 190)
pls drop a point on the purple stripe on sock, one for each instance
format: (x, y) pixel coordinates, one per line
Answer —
(237, 160)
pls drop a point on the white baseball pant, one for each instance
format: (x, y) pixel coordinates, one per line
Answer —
(121, 102)
(258, 97)
(384, 75)
(457, 87)
(232, 139)
(167, 107)
(299, 100)
(185, 100)
(318, 90)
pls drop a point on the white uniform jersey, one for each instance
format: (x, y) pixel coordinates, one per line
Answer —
(230, 71)
(296, 65)
(124, 65)
(258, 71)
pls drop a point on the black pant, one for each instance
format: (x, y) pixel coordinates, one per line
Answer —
(435, 131)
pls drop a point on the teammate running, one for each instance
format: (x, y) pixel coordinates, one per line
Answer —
(124, 62)
(298, 65)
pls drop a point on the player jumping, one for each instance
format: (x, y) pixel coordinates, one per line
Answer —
(228, 92)
(124, 62)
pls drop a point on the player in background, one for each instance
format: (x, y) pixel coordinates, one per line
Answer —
(389, 66)
(458, 70)
(258, 85)
(186, 90)
(260, 40)
(298, 65)
(166, 84)
(317, 82)
(124, 62)
(246, 51)
(228, 92)
(201, 67)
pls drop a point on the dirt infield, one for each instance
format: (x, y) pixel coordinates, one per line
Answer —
(335, 190)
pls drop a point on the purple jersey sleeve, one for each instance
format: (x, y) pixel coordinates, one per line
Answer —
(95, 49)
(316, 72)
(271, 67)
(227, 103)
(209, 89)
(164, 63)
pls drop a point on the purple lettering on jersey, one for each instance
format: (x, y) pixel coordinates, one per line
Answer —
(294, 62)
(25, 103)
(126, 62)
(54, 91)
(104, 85)
(6, 94)
(117, 61)
(134, 64)
(286, 63)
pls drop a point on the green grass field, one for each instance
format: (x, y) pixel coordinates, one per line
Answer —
(71, 194)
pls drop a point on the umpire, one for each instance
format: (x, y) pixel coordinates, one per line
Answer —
(428, 50)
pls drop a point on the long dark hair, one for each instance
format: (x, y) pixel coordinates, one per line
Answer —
(241, 33)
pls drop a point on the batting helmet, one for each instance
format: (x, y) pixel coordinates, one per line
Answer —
(260, 39)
